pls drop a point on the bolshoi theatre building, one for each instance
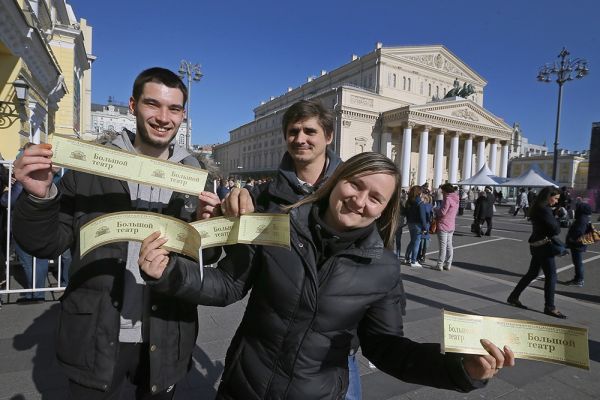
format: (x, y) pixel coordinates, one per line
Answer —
(419, 105)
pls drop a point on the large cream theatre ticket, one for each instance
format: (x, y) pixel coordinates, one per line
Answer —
(531, 340)
(262, 229)
(137, 226)
(266, 229)
(114, 163)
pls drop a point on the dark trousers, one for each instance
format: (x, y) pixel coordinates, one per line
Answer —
(546, 264)
(133, 364)
(577, 258)
(398, 241)
(488, 222)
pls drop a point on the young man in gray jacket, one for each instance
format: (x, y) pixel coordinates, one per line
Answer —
(111, 327)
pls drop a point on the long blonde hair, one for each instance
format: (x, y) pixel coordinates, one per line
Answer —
(364, 164)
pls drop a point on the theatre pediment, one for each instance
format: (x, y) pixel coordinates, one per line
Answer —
(459, 112)
(436, 58)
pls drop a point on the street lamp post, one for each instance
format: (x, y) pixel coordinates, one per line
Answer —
(193, 74)
(563, 69)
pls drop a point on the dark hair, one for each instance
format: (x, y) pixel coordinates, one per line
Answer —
(367, 163)
(544, 196)
(447, 188)
(413, 193)
(158, 75)
(305, 109)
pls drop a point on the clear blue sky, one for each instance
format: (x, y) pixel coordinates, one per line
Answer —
(251, 50)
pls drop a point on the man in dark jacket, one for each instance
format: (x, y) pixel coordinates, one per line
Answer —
(111, 327)
(484, 211)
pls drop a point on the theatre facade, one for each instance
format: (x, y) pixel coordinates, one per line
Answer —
(419, 105)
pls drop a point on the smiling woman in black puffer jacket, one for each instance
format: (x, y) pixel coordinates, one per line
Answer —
(338, 279)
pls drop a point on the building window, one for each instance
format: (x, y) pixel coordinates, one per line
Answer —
(437, 91)
(403, 83)
(394, 79)
(421, 88)
(409, 84)
(429, 90)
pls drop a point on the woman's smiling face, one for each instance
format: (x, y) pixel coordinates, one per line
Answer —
(358, 201)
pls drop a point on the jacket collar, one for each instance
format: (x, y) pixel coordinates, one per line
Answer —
(286, 185)
(368, 246)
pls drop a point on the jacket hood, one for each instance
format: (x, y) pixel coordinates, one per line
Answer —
(125, 140)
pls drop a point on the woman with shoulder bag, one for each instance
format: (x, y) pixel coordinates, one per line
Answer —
(581, 224)
(545, 226)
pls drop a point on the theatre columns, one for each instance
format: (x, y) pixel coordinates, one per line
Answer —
(453, 164)
(423, 152)
(467, 157)
(480, 153)
(493, 152)
(438, 168)
(406, 149)
(504, 159)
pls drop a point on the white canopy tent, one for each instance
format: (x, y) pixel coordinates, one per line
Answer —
(484, 177)
(533, 177)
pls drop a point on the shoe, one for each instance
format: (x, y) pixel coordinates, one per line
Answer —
(516, 303)
(421, 260)
(415, 265)
(439, 267)
(488, 234)
(574, 282)
(447, 267)
(554, 313)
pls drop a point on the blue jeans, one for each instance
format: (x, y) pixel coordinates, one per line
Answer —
(548, 265)
(412, 251)
(577, 257)
(41, 272)
(354, 390)
(65, 264)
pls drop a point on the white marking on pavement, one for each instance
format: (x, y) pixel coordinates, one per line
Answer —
(471, 244)
(513, 284)
(566, 267)
(495, 229)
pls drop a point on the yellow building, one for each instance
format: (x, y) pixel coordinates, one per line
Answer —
(42, 72)
(68, 40)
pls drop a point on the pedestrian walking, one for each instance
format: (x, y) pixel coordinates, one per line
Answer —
(522, 204)
(446, 224)
(580, 225)
(544, 227)
(484, 211)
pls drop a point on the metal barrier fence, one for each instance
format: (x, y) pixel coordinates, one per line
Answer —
(14, 278)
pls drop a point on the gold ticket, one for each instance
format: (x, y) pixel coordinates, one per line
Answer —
(119, 164)
(184, 238)
(137, 226)
(263, 229)
(531, 340)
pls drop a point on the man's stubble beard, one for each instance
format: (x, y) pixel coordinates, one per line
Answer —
(147, 140)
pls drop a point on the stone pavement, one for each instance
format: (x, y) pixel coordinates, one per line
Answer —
(28, 369)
